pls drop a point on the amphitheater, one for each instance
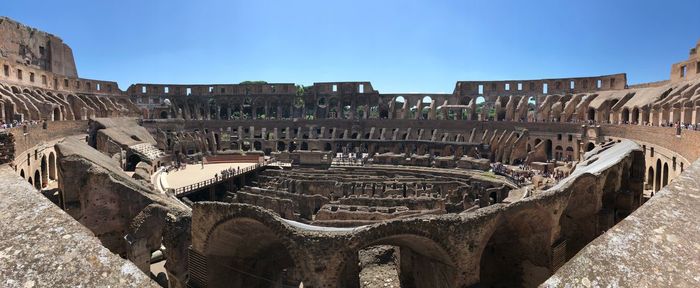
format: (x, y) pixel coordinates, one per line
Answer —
(571, 182)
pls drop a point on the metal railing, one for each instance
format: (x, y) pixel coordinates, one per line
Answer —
(215, 180)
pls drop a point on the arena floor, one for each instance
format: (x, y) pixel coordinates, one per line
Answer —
(194, 173)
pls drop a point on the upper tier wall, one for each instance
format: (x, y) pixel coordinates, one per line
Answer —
(541, 86)
(30, 47)
(20, 75)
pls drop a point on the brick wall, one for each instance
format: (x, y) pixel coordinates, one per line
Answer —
(37, 134)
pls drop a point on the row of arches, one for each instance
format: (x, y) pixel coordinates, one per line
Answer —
(45, 173)
(657, 176)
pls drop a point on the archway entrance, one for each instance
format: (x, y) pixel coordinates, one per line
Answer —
(56, 115)
(423, 262)
(245, 253)
(131, 162)
(665, 176)
(513, 256)
(37, 180)
(591, 114)
(44, 172)
(659, 171)
(52, 166)
(650, 179)
(590, 146)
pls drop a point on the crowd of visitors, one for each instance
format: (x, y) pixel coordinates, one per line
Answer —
(524, 173)
(15, 123)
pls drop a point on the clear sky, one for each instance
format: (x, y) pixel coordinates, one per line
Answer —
(398, 45)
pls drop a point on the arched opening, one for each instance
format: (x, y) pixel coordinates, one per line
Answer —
(479, 111)
(569, 155)
(21, 173)
(56, 115)
(163, 114)
(513, 255)
(591, 114)
(659, 171)
(590, 146)
(548, 148)
(131, 162)
(52, 166)
(244, 252)
(37, 180)
(245, 146)
(304, 146)
(327, 147)
(44, 172)
(423, 262)
(650, 179)
(281, 146)
(257, 146)
(625, 115)
(635, 116)
(665, 176)
(531, 109)
(292, 146)
(425, 107)
(559, 153)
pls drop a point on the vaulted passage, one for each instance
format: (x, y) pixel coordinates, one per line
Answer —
(422, 262)
(516, 254)
(245, 253)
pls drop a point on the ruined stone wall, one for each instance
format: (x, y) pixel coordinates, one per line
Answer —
(658, 248)
(26, 138)
(509, 244)
(688, 69)
(42, 237)
(37, 49)
(490, 89)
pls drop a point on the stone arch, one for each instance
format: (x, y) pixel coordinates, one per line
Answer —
(590, 146)
(558, 152)
(578, 222)
(650, 179)
(515, 254)
(281, 146)
(548, 148)
(635, 115)
(625, 116)
(658, 175)
(245, 146)
(426, 102)
(569, 154)
(426, 261)
(259, 257)
(479, 111)
(37, 180)
(56, 115)
(44, 171)
(131, 162)
(590, 115)
(665, 176)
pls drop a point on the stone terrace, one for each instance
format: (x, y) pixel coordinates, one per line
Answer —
(45, 247)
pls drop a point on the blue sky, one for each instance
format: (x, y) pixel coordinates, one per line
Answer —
(400, 46)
